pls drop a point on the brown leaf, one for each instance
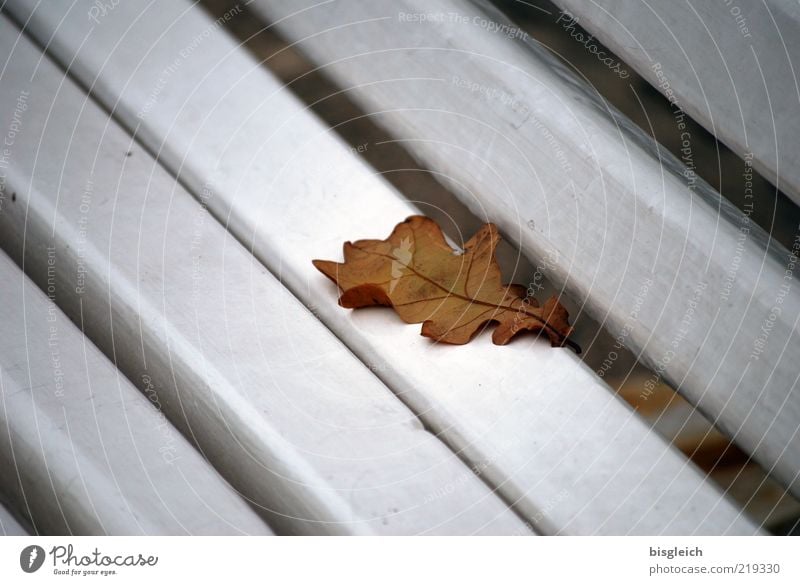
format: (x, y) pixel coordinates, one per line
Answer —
(453, 295)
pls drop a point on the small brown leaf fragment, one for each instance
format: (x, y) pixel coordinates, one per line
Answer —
(453, 295)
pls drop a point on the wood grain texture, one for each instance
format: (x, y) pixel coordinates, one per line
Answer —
(533, 421)
(599, 206)
(275, 402)
(82, 450)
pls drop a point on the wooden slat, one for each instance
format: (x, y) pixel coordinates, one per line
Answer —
(535, 422)
(731, 66)
(280, 407)
(84, 452)
(9, 526)
(587, 197)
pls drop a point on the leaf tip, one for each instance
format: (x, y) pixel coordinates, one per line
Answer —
(327, 268)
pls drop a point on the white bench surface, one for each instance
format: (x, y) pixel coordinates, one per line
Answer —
(82, 450)
(543, 430)
(278, 404)
(528, 147)
(731, 66)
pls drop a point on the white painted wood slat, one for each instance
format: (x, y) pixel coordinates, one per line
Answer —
(538, 424)
(586, 198)
(279, 405)
(83, 451)
(731, 66)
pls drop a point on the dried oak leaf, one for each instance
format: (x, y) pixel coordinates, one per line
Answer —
(453, 295)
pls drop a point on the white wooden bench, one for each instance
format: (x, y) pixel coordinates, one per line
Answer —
(84, 452)
(185, 220)
(278, 405)
(728, 65)
(609, 213)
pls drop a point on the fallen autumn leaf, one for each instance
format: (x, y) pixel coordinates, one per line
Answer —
(453, 295)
